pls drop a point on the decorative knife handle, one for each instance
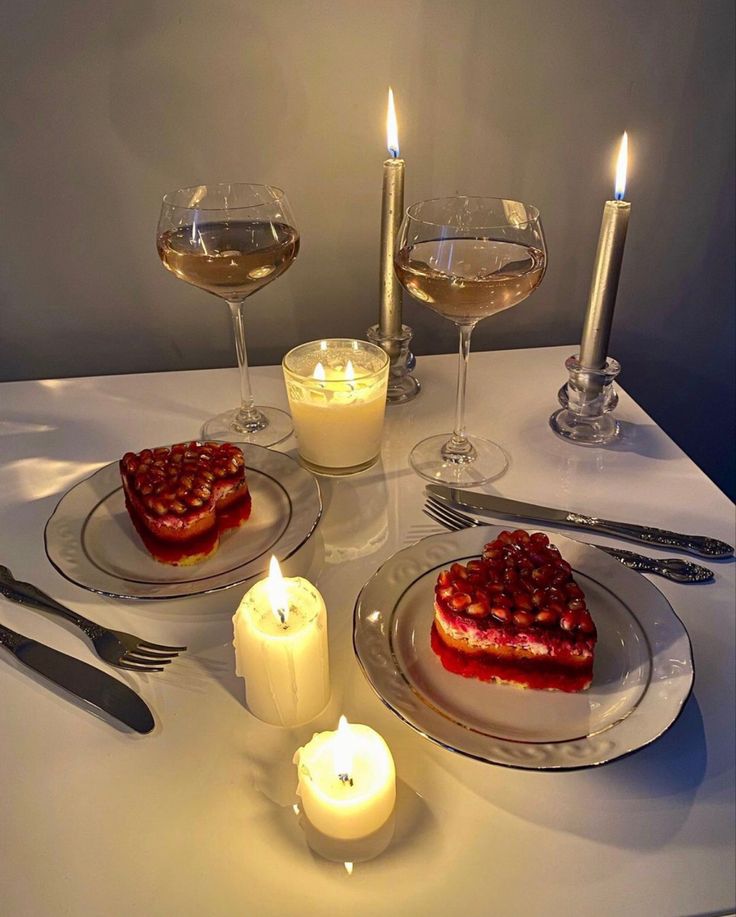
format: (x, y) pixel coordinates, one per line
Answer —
(28, 594)
(693, 544)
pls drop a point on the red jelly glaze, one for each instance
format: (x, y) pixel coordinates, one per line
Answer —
(171, 552)
(484, 667)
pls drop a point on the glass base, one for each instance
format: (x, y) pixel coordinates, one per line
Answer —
(270, 426)
(485, 462)
(327, 471)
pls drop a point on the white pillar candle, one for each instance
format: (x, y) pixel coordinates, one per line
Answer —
(337, 398)
(281, 650)
(347, 781)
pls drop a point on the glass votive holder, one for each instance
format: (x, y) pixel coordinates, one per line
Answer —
(337, 398)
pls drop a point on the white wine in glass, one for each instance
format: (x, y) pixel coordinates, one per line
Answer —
(467, 258)
(231, 240)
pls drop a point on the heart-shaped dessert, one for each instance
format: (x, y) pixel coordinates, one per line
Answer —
(181, 498)
(516, 616)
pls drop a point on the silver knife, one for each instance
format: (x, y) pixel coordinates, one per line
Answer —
(94, 686)
(500, 506)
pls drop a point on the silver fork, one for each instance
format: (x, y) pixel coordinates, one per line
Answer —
(672, 568)
(125, 651)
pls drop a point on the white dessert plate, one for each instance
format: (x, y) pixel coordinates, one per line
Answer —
(643, 671)
(91, 540)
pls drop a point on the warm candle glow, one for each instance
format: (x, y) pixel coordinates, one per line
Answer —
(276, 589)
(621, 164)
(392, 127)
(319, 372)
(343, 751)
(350, 372)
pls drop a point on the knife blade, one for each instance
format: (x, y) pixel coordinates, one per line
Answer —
(487, 504)
(85, 681)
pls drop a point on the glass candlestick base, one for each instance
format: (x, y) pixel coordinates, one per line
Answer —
(402, 386)
(588, 400)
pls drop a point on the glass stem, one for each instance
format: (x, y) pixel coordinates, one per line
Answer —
(248, 412)
(459, 443)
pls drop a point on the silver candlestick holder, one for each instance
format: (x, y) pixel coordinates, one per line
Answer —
(588, 400)
(402, 386)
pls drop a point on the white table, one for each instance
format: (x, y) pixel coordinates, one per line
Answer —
(196, 818)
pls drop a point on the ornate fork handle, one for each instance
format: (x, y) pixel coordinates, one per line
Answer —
(693, 544)
(681, 571)
(28, 594)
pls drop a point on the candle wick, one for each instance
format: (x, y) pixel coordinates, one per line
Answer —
(345, 778)
(282, 615)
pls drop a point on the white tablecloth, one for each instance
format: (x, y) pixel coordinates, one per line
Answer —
(196, 818)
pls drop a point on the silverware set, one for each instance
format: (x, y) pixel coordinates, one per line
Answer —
(672, 568)
(93, 686)
(125, 651)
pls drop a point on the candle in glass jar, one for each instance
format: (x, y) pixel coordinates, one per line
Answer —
(337, 398)
(604, 285)
(281, 649)
(347, 781)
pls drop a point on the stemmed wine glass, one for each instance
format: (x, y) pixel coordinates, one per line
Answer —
(466, 258)
(231, 240)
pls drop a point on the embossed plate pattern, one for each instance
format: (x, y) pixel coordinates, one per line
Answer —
(642, 677)
(91, 540)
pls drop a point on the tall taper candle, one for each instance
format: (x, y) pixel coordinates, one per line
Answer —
(603, 288)
(392, 211)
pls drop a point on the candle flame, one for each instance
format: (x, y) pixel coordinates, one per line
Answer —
(319, 372)
(276, 589)
(348, 867)
(350, 372)
(343, 751)
(392, 127)
(621, 164)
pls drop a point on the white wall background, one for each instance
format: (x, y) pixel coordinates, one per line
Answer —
(106, 104)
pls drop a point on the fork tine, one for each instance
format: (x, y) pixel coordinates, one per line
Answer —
(448, 516)
(159, 646)
(443, 521)
(135, 656)
(143, 650)
(137, 668)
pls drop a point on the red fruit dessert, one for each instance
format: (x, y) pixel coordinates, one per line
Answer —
(515, 616)
(181, 498)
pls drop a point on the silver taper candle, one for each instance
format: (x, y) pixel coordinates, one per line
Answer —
(608, 258)
(392, 209)
(604, 285)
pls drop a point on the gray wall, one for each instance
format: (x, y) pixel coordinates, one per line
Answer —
(106, 105)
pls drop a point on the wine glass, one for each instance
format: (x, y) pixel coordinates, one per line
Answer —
(231, 240)
(467, 258)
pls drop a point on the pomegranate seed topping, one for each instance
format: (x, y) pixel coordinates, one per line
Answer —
(459, 602)
(585, 623)
(523, 618)
(478, 609)
(521, 580)
(546, 617)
